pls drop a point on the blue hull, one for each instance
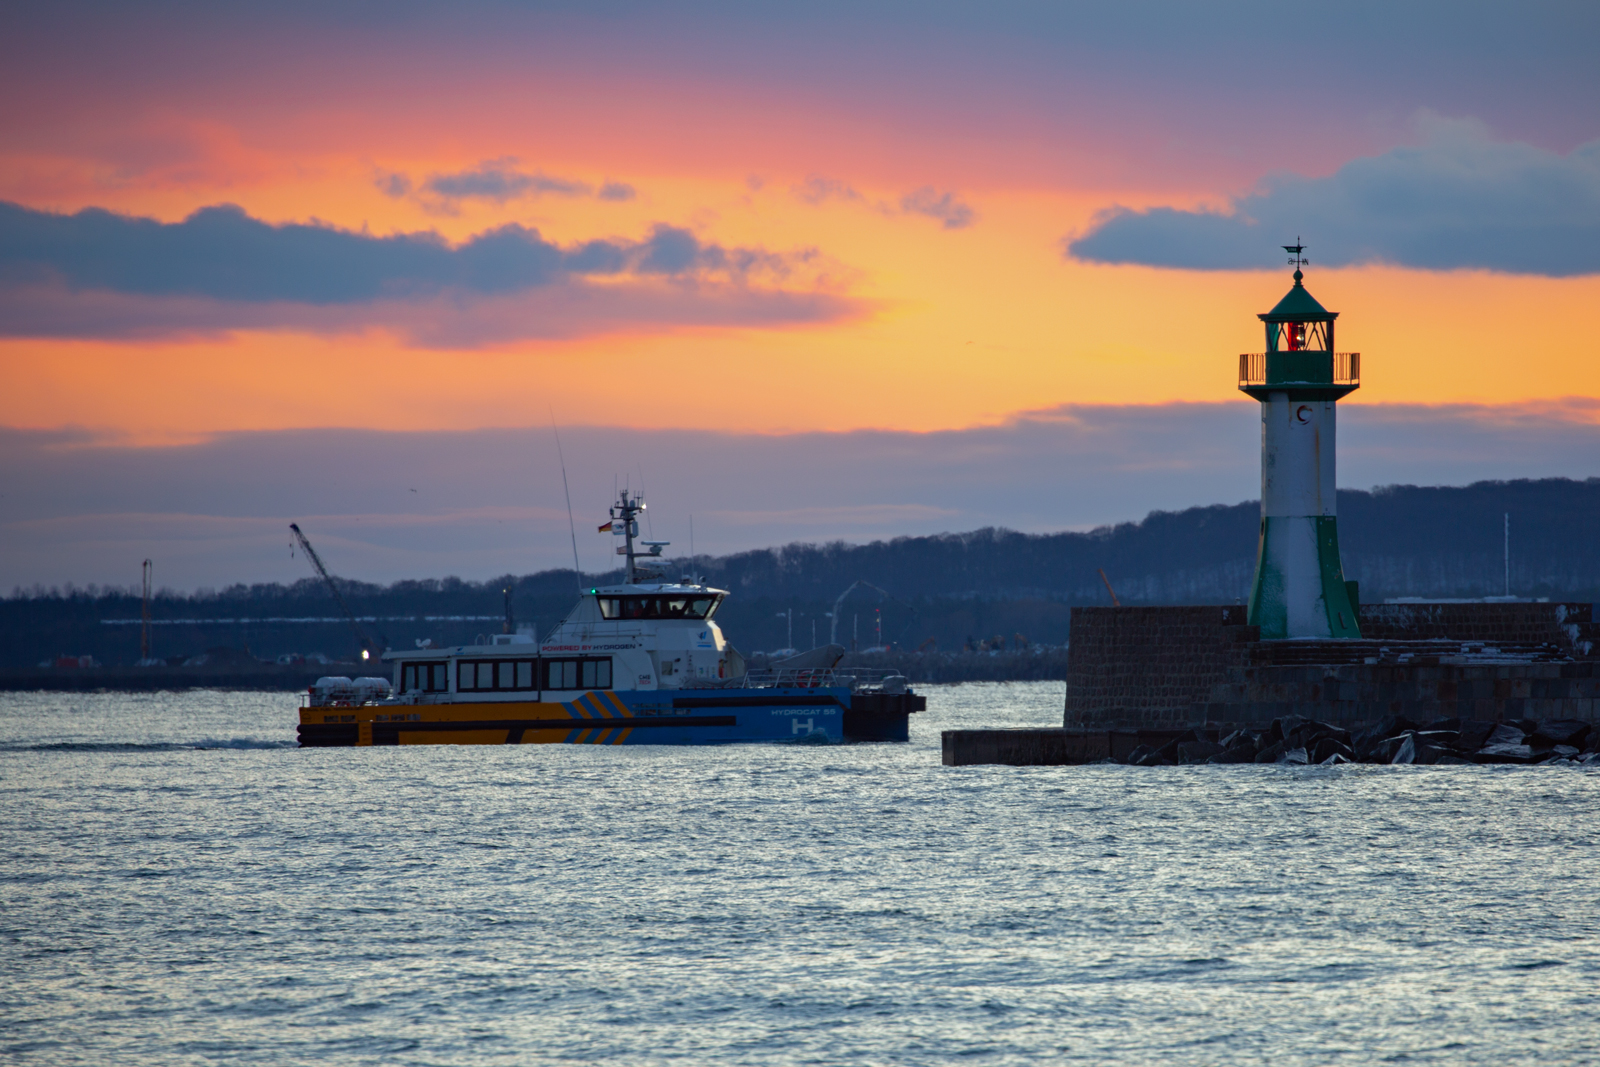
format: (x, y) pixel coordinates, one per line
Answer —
(609, 717)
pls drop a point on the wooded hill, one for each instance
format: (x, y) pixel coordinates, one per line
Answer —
(950, 588)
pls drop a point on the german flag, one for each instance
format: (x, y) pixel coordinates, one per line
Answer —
(605, 528)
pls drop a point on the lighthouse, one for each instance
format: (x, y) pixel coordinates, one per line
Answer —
(1299, 588)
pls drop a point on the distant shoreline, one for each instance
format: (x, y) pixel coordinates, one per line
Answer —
(1032, 665)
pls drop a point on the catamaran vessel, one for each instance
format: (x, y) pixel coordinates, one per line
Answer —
(639, 663)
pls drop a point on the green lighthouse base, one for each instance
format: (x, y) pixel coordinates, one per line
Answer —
(1299, 589)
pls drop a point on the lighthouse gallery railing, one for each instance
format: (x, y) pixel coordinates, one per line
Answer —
(1253, 368)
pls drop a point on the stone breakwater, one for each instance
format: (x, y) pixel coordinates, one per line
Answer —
(1426, 683)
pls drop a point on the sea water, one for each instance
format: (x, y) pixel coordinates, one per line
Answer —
(181, 884)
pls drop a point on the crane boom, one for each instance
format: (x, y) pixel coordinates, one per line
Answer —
(838, 605)
(367, 644)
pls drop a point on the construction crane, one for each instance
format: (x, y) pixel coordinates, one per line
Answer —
(838, 606)
(370, 649)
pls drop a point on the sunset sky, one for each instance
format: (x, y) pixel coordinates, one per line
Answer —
(832, 271)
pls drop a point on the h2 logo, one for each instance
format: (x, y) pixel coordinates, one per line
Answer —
(809, 726)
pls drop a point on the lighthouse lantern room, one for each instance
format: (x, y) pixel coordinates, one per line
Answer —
(1299, 588)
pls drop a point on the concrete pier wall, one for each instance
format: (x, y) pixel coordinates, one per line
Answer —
(1156, 668)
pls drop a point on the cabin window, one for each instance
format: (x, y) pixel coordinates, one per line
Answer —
(501, 675)
(564, 674)
(658, 607)
(426, 677)
(579, 673)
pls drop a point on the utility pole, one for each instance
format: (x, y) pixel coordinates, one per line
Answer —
(1508, 553)
(144, 628)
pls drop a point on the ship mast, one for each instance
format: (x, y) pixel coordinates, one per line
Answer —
(625, 524)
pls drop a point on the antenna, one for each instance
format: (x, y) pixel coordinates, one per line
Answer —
(1296, 251)
(572, 526)
(1508, 553)
(649, 523)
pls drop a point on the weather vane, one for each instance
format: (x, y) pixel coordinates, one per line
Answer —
(1296, 259)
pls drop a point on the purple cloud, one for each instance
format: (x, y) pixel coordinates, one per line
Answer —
(97, 274)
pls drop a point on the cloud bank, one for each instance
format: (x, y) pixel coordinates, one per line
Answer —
(99, 274)
(1460, 201)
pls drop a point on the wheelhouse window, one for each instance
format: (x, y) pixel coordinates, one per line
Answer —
(578, 673)
(658, 607)
(425, 678)
(495, 675)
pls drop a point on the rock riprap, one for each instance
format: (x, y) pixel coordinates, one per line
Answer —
(1297, 740)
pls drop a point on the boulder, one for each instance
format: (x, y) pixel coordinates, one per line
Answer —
(1271, 753)
(1447, 758)
(1294, 755)
(1505, 734)
(1384, 750)
(1334, 760)
(1283, 727)
(1474, 734)
(1393, 726)
(1312, 730)
(1368, 743)
(1566, 752)
(1431, 744)
(1573, 732)
(1329, 747)
(1593, 744)
(1236, 754)
(1406, 751)
(1137, 757)
(1156, 758)
(1198, 751)
(1168, 753)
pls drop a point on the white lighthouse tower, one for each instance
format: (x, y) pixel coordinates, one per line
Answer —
(1299, 588)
